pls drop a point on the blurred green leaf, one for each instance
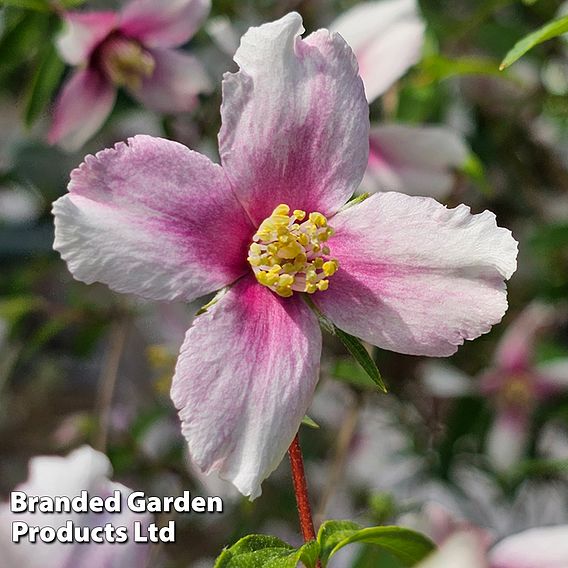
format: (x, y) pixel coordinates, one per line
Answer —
(438, 68)
(409, 547)
(43, 84)
(473, 168)
(71, 3)
(546, 32)
(548, 237)
(15, 307)
(22, 41)
(254, 551)
(540, 468)
(38, 5)
(361, 355)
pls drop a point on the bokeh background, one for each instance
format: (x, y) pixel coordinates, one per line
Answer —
(80, 364)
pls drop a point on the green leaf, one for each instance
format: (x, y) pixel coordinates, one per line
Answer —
(38, 5)
(438, 68)
(262, 551)
(361, 355)
(212, 302)
(346, 370)
(353, 345)
(546, 32)
(310, 422)
(44, 83)
(355, 200)
(331, 533)
(409, 547)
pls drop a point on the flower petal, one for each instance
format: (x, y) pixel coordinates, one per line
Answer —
(462, 550)
(415, 277)
(534, 548)
(507, 438)
(445, 381)
(552, 377)
(173, 87)
(163, 23)
(244, 379)
(82, 33)
(387, 39)
(414, 160)
(295, 120)
(81, 109)
(515, 351)
(153, 218)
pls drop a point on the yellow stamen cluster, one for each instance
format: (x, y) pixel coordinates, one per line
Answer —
(288, 252)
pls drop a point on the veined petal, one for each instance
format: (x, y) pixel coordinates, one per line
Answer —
(176, 81)
(244, 379)
(152, 218)
(82, 33)
(163, 23)
(414, 160)
(535, 548)
(81, 108)
(295, 120)
(415, 277)
(387, 39)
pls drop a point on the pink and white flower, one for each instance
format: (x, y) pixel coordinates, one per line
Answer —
(387, 39)
(132, 48)
(153, 218)
(49, 476)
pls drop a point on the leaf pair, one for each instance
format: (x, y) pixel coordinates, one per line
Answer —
(407, 546)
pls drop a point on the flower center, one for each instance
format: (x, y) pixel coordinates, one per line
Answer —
(126, 62)
(288, 252)
(518, 391)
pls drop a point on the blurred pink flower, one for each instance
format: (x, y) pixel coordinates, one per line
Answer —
(132, 49)
(153, 218)
(387, 39)
(515, 384)
(541, 547)
(82, 470)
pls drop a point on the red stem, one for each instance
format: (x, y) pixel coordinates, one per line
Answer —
(301, 490)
